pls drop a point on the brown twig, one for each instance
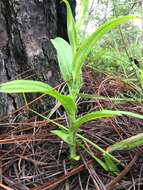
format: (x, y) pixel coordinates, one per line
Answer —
(4, 187)
(117, 179)
(50, 184)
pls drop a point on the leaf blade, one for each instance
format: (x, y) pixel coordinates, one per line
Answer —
(30, 86)
(96, 115)
(65, 57)
(88, 44)
(111, 165)
(128, 143)
(72, 33)
(105, 114)
(64, 135)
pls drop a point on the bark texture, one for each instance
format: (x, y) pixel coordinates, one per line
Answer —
(25, 48)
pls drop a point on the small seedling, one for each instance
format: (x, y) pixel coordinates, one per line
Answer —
(71, 58)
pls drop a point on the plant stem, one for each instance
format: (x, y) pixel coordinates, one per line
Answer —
(73, 137)
(73, 140)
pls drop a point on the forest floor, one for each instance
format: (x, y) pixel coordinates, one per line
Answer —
(32, 158)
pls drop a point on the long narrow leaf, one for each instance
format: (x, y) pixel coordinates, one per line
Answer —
(105, 114)
(111, 165)
(65, 57)
(98, 147)
(89, 43)
(29, 86)
(115, 99)
(72, 33)
(131, 114)
(99, 161)
(128, 143)
(96, 115)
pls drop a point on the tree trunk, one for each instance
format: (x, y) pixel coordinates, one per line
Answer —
(25, 48)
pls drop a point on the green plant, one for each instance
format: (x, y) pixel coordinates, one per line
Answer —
(127, 144)
(71, 58)
(109, 60)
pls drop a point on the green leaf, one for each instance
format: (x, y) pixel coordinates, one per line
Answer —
(112, 167)
(20, 86)
(90, 42)
(141, 76)
(64, 135)
(98, 147)
(105, 114)
(82, 14)
(99, 161)
(65, 57)
(29, 86)
(131, 114)
(72, 33)
(96, 115)
(113, 99)
(128, 143)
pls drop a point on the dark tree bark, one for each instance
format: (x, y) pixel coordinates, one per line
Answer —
(25, 48)
(61, 18)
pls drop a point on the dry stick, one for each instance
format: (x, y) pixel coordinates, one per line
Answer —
(5, 187)
(53, 183)
(13, 184)
(21, 108)
(117, 179)
(65, 172)
(25, 138)
(95, 178)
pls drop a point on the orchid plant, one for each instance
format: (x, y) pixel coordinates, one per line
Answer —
(71, 58)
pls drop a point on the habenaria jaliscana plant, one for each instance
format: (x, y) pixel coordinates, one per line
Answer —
(71, 58)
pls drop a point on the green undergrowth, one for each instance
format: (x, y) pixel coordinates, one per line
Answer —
(71, 58)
